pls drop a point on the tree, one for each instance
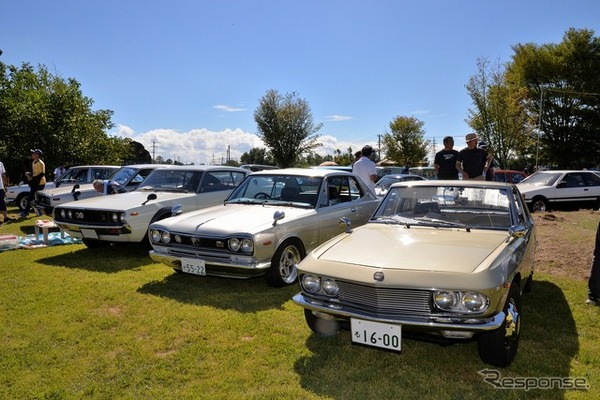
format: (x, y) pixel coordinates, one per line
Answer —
(257, 155)
(286, 126)
(405, 143)
(42, 110)
(564, 95)
(499, 115)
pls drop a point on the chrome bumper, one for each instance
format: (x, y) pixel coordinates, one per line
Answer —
(416, 321)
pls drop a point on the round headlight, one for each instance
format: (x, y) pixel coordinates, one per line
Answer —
(70, 214)
(444, 300)
(330, 287)
(63, 213)
(247, 246)
(115, 217)
(178, 238)
(311, 283)
(122, 218)
(155, 236)
(234, 244)
(474, 301)
(165, 237)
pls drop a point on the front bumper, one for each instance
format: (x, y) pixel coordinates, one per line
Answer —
(223, 266)
(414, 322)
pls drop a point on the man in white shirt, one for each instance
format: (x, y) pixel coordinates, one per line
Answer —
(365, 168)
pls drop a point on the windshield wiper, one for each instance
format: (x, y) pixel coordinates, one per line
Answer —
(443, 222)
(392, 220)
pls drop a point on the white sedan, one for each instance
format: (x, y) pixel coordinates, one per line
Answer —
(165, 192)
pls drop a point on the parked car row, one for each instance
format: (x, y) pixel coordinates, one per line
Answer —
(81, 174)
(440, 259)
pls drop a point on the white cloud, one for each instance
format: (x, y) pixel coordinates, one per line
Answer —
(337, 118)
(202, 146)
(227, 108)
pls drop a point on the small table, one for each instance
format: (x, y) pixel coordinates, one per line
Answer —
(45, 225)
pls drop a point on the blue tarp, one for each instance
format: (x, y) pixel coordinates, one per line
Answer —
(32, 242)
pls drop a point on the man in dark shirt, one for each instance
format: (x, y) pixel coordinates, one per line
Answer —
(445, 160)
(472, 161)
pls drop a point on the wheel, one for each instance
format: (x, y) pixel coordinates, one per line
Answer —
(499, 347)
(539, 204)
(283, 270)
(321, 326)
(22, 201)
(94, 243)
(262, 195)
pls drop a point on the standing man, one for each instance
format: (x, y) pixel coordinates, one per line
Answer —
(445, 160)
(37, 180)
(473, 162)
(3, 185)
(594, 281)
(365, 168)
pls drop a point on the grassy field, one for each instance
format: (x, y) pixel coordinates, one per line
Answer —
(111, 324)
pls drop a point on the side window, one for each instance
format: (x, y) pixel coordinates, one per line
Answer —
(80, 176)
(520, 208)
(221, 180)
(101, 173)
(574, 180)
(354, 189)
(592, 179)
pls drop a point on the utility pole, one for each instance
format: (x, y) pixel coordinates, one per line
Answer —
(153, 151)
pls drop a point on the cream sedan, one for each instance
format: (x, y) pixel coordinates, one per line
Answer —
(267, 225)
(443, 258)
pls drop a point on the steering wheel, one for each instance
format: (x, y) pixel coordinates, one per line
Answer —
(262, 195)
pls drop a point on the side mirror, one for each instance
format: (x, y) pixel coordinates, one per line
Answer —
(278, 215)
(76, 195)
(346, 224)
(517, 231)
(151, 196)
(177, 209)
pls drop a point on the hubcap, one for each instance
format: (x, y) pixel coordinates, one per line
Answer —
(290, 257)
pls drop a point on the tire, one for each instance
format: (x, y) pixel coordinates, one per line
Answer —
(94, 243)
(321, 326)
(539, 204)
(499, 347)
(22, 201)
(284, 270)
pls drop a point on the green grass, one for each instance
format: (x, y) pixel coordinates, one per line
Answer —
(111, 324)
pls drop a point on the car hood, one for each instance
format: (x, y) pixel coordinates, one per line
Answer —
(67, 190)
(232, 218)
(416, 249)
(125, 201)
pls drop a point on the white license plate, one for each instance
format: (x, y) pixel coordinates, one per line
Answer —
(89, 234)
(376, 334)
(193, 266)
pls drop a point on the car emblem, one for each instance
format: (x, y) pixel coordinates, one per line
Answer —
(378, 276)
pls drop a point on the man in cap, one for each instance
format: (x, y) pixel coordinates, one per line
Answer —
(472, 161)
(37, 180)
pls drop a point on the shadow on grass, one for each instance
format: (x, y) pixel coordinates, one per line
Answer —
(110, 259)
(338, 369)
(243, 295)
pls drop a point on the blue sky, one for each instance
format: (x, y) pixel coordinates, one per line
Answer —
(187, 75)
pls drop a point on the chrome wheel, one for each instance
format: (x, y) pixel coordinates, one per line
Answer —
(283, 270)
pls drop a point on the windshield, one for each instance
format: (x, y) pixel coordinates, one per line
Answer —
(446, 205)
(542, 178)
(278, 189)
(179, 180)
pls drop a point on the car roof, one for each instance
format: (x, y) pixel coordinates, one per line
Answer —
(93, 166)
(562, 171)
(461, 182)
(319, 172)
(400, 176)
(205, 168)
(144, 166)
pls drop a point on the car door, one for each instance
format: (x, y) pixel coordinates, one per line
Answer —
(341, 196)
(571, 187)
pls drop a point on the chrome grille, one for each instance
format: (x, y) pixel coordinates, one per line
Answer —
(385, 301)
